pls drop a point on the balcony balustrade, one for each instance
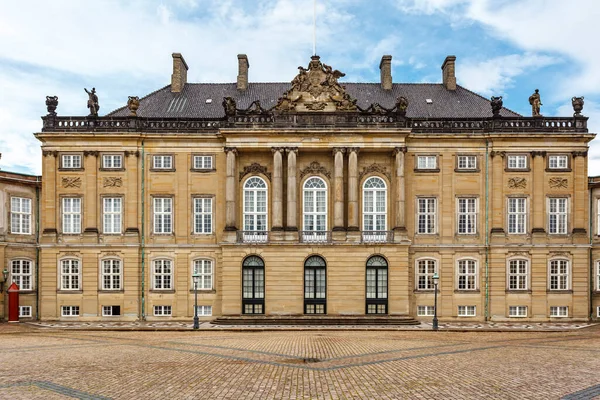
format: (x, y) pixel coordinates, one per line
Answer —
(377, 237)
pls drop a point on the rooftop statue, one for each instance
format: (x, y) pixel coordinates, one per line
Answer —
(496, 103)
(535, 101)
(92, 103)
(577, 103)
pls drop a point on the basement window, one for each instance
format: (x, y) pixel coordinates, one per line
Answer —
(109, 311)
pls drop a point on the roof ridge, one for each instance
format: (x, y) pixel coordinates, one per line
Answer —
(146, 96)
(478, 95)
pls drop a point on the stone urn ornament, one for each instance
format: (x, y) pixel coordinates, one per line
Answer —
(51, 104)
(496, 103)
(577, 103)
(133, 103)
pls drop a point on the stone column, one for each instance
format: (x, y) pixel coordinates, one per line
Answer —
(230, 190)
(338, 189)
(539, 197)
(353, 223)
(291, 189)
(50, 202)
(400, 228)
(277, 224)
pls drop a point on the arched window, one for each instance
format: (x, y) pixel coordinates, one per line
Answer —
(315, 286)
(315, 209)
(255, 209)
(253, 285)
(377, 285)
(374, 209)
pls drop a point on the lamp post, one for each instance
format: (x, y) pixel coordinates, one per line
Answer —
(196, 278)
(436, 278)
(4, 278)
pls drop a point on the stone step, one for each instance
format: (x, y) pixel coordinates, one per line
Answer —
(313, 320)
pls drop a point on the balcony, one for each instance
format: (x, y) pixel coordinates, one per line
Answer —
(377, 237)
(252, 236)
(314, 236)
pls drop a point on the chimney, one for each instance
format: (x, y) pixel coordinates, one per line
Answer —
(385, 67)
(449, 73)
(242, 78)
(179, 76)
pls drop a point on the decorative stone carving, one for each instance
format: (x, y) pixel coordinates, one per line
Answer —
(564, 254)
(397, 150)
(538, 153)
(579, 154)
(291, 150)
(536, 102)
(517, 183)
(69, 254)
(232, 149)
(313, 169)
(401, 106)
(316, 88)
(229, 106)
(353, 150)
(254, 108)
(253, 169)
(498, 153)
(92, 102)
(133, 103)
(110, 254)
(374, 169)
(496, 103)
(94, 153)
(112, 181)
(558, 183)
(376, 108)
(518, 254)
(47, 153)
(51, 104)
(71, 182)
(338, 150)
(132, 153)
(577, 103)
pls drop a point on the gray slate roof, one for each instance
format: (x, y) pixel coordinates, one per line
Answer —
(192, 101)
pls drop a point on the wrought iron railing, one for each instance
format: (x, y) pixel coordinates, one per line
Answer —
(314, 236)
(376, 236)
(253, 236)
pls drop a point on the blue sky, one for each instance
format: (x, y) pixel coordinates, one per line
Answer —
(123, 48)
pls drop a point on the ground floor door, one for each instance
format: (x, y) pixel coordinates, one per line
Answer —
(377, 286)
(315, 286)
(253, 286)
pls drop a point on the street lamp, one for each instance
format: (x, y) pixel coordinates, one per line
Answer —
(196, 278)
(5, 277)
(436, 278)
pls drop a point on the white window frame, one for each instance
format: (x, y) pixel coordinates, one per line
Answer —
(311, 217)
(23, 314)
(518, 213)
(162, 280)
(471, 279)
(112, 215)
(112, 161)
(466, 162)
(69, 311)
(202, 162)
(598, 311)
(559, 311)
(518, 311)
(71, 161)
(204, 311)
(205, 268)
(521, 278)
(373, 213)
(20, 277)
(203, 215)
(558, 161)
(71, 219)
(598, 275)
(256, 217)
(165, 311)
(425, 311)
(598, 216)
(111, 280)
(429, 226)
(431, 267)
(467, 217)
(560, 212)
(426, 162)
(467, 311)
(163, 220)
(71, 279)
(162, 161)
(107, 311)
(20, 215)
(516, 161)
(559, 274)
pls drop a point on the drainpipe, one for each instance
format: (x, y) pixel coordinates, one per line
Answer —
(143, 299)
(487, 233)
(37, 249)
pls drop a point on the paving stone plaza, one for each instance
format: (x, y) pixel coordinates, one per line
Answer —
(53, 363)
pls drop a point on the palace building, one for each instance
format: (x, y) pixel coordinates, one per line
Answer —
(315, 197)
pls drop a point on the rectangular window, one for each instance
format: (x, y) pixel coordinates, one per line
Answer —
(204, 311)
(204, 268)
(517, 311)
(559, 311)
(163, 215)
(162, 311)
(202, 215)
(71, 210)
(467, 275)
(517, 215)
(466, 311)
(162, 162)
(559, 275)
(467, 162)
(203, 162)
(517, 162)
(20, 215)
(112, 161)
(517, 274)
(21, 273)
(467, 216)
(111, 274)
(426, 215)
(598, 276)
(109, 311)
(557, 215)
(112, 208)
(426, 162)
(425, 311)
(70, 272)
(163, 275)
(24, 311)
(71, 161)
(598, 311)
(69, 311)
(558, 162)
(425, 271)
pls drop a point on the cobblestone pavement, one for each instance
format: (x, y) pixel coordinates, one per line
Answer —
(38, 363)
